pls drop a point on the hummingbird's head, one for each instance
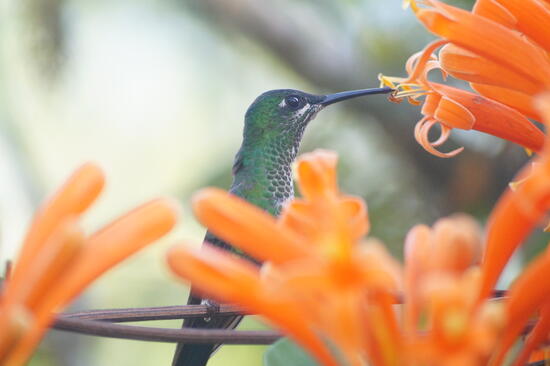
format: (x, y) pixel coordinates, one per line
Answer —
(284, 113)
(281, 111)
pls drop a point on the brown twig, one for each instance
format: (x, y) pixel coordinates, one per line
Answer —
(152, 313)
(99, 323)
(153, 334)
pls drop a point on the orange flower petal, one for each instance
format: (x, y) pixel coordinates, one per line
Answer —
(538, 355)
(488, 39)
(229, 278)
(246, 226)
(542, 103)
(533, 18)
(537, 337)
(216, 273)
(527, 294)
(303, 218)
(76, 195)
(51, 263)
(496, 12)
(103, 250)
(521, 102)
(466, 65)
(508, 225)
(417, 251)
(517, 212)
(457, 244)
(453, 114)
(317, 174)
(495, 118)
(15, 321)
(419, 64)
(422, 133)
(117, 241)
(430, 104)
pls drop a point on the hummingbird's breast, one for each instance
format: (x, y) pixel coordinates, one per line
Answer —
(264, 176)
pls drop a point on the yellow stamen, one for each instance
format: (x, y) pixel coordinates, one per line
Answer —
(411, 93)
(408, 90)
(515, 184)
(386, 81)
(455, 324)
(411, 3)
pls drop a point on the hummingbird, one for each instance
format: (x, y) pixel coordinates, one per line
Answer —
(262, 174)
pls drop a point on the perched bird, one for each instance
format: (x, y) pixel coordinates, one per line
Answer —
(273, 128)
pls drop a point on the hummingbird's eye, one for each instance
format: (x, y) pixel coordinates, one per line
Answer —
(293, 101)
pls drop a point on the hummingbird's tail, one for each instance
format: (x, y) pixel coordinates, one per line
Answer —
(198, 354)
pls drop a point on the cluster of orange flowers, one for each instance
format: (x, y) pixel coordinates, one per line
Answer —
(501, 49)
(329, 289)
(337, 294)
(58, 260)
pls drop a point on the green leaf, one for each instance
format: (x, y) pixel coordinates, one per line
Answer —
(285, 352)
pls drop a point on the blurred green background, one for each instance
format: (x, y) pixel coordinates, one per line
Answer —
(155, 91)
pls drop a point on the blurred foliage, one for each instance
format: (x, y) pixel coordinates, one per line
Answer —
(285, 352)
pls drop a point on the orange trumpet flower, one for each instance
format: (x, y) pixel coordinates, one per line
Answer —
(57, 261)
(451, 107)
(501, 48)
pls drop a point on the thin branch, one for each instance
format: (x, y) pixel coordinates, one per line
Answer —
(152, 334)
(153, 313)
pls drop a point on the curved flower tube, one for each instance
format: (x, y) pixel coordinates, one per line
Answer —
(57, 261)
(516, 214)
(518, 211)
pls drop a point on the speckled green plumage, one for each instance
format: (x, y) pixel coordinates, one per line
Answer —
(271, 138)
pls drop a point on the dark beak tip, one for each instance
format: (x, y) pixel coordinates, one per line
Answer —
(338, 97)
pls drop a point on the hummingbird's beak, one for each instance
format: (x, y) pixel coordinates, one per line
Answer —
(338, 97)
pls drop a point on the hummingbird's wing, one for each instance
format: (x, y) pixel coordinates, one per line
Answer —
(189, 354)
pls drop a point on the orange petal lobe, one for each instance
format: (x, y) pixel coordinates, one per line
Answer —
(536, 337)
(489, 39)
(317, 174)
(454, 115)
(466, 65)
(64, 246)
(495, 118)
(117, 241)
(491, 9)
(246, 226)
(519, 101)
(215, 273)
(527, 294)
(75, 196)
(533, 18)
